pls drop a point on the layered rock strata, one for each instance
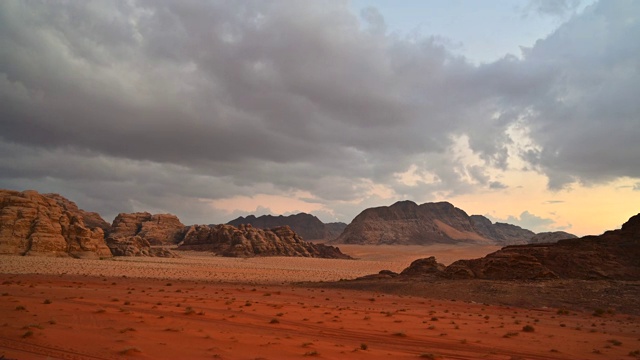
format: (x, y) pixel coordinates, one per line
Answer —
(44, 225)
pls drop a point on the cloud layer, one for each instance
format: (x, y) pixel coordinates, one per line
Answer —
(172, 105)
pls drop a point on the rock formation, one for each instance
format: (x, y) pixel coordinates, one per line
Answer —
(406, 223)
(91, 219)
(550, 237)
(134, 234)
(612, 255)
(136, 246)
(247, 241)
(157, 229)
(47, 225)
(305, 225)
(501, 233)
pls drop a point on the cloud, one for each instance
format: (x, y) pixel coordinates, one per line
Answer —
(166, 104)
(553, 7)
(530, 221)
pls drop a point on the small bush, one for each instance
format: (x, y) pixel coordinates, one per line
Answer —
(598, 312)
(21, 308)
(274, 321)
(429, 356)
(47, 301)
(27, 334)
(364, 346)
(528, 328)
(312, 353)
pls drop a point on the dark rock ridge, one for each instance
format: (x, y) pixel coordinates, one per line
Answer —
(48, 225)
(550, 237)
(305, 225)
(247, 241)
(612, 255)
(407, 223)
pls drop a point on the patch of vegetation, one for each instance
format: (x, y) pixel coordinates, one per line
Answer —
(528, 328)
(312, 353)
(130, 351)
(274, 321)
(46, 301)
(364, 346)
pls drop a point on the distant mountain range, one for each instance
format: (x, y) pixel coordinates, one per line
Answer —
(407, 223)
(306, 225)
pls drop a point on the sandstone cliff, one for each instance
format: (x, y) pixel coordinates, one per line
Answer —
(305, 225)
(247, 241)
(134, 234)
(47, 225)
(612, 255)
(157, 229)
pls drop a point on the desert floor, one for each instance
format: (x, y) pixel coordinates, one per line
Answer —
(208, 307)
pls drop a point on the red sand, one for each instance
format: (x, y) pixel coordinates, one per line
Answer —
(112, 317)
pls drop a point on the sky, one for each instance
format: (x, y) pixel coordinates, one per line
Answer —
(524, 111)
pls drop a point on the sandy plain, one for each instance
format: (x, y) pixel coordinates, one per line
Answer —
(202, 306)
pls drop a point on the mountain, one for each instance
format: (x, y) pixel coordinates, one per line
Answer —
(48, 225)
(612, 255)
(550, 237)
(306, 225)
(407, 223)
(247, 241)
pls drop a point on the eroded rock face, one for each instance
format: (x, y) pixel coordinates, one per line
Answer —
(46, 225)
(91, 219)
(157, 229)
(307, 226)
(135, 234)
(612, 255)
(247, 241)
(136, 246)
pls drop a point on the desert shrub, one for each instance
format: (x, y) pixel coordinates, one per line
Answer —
(364, 346)
(46, 301)
(274, 321)
(312, 353)
(598, 312)
(528, 328)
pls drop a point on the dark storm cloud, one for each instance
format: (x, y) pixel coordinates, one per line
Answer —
(158, 101)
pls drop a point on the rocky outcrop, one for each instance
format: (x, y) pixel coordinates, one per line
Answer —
(47, 225)
(550, 237)
(157, 229)
(136, 246)
(305, 225)
(91, 219)
(136, 234)
(501, 233)
(247, 241)
(406, 223)
(612, 255)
